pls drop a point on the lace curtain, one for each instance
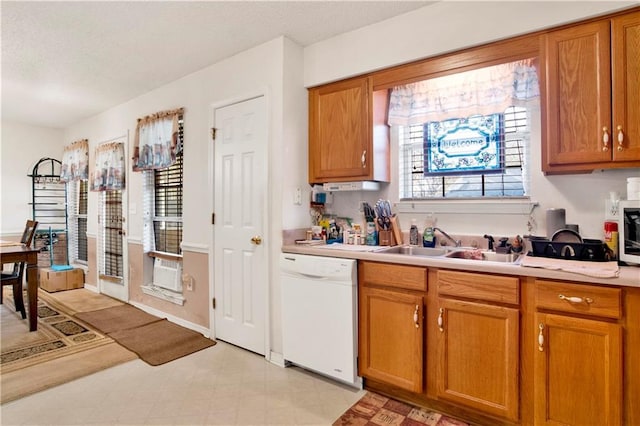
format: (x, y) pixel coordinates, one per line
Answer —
(483, 91)
(75, 162)
(156, 141)
(109, 172)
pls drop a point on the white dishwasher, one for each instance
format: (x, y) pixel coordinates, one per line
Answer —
(319, 315)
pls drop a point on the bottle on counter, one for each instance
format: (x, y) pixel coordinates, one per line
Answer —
(429, 236)
(611, 237)
(414, 234)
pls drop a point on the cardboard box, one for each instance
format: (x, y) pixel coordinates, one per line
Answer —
(53, 281)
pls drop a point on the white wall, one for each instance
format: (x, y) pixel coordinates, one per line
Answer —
(22, 147)
(274, 69)
(448, 26)
(435, 29)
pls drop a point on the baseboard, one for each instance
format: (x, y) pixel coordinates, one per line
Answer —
(276, 358)
(91, 287)
(177, 320)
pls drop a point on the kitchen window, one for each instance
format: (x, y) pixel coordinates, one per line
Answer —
(163, 189)
(466, 135)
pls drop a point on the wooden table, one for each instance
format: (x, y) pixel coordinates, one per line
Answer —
(20, 253)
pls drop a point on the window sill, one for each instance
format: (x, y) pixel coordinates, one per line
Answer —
(512, 206)
(163, 294)
(166, 256)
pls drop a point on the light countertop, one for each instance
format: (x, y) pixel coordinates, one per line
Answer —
(629, 276)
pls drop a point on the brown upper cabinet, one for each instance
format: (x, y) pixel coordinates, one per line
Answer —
(591, 95)
(348, 136)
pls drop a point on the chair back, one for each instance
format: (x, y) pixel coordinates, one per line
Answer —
(27, 239)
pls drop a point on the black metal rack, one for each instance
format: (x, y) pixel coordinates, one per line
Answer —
(49, 208)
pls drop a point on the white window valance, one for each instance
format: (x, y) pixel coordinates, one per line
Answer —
(156, 140)
(483, 91)
(75, 162)
(109, 173)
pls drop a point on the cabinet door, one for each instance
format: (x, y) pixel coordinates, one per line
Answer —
(625, 56)
(478, 352)
(340, 132)
(577, 371)
(391, 337)
(576, 97)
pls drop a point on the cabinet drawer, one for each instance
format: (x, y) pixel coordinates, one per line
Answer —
(389, 275)
(493, 288)
(579, 298)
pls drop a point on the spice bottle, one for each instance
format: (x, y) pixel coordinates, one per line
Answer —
(414, 235)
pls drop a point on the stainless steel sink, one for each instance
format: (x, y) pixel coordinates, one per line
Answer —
(415, 251)
(489, 256)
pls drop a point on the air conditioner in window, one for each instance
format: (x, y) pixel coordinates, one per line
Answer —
(167, 274)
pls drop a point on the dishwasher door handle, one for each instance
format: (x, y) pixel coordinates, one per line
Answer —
(303, 275)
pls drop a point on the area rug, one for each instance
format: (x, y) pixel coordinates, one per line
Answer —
(62, 349)
(155, 340)
(117, 318)
(161, 341)
(376, 410)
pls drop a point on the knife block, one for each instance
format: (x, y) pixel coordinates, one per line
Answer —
(385, 238)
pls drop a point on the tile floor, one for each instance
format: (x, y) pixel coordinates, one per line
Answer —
(221, 385)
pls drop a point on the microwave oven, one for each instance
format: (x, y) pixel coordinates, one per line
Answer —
(629, 229)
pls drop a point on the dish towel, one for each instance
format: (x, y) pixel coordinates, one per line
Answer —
(591, 269)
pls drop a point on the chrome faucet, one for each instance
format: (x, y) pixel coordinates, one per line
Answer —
(456, 243)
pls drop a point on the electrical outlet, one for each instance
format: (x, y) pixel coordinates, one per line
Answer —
(187, 281)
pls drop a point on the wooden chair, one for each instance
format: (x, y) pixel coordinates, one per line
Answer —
(16, 277)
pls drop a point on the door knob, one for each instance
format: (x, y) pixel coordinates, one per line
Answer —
(257, 240)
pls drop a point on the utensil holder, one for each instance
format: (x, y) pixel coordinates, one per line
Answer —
(385, 237)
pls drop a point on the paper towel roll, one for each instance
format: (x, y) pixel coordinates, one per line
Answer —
(556, 219)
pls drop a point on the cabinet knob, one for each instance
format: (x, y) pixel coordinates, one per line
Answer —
(541, 338)
(415, 316)
(605, 139)
(620, 139)
(364, 159)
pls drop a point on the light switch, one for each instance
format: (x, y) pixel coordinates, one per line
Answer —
(297, 197)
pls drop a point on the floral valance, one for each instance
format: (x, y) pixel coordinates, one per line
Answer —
(483, 91)
(156, 141)
(75, 161)
(109, 172)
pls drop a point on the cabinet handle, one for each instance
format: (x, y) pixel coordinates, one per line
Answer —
(575, 299)
(415, 316)
(440, 320)
(620, 138)
(364, 159)
(605, 139)
(541, 338)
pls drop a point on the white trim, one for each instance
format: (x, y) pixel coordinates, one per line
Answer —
(276, 358)
(93, 235)
(195, 247)
(91, 287)
(134, 240)
(521, 207)
(160, 293)
(174, 319)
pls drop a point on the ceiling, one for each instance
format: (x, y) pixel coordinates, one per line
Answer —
(65, 61)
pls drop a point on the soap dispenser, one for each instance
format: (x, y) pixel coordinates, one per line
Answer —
(429, 236)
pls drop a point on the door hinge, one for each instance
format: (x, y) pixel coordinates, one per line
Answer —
(213, 133)
(213, 218)
(213, 303)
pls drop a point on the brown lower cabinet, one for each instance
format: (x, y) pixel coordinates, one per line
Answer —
(500, 350)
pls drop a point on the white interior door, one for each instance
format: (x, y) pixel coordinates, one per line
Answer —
(239, 262)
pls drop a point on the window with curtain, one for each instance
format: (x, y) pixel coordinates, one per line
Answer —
(77, 220)
(75, 172)
(466, 135)
(163, 189)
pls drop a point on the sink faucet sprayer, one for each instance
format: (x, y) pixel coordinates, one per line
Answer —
(456, 243)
